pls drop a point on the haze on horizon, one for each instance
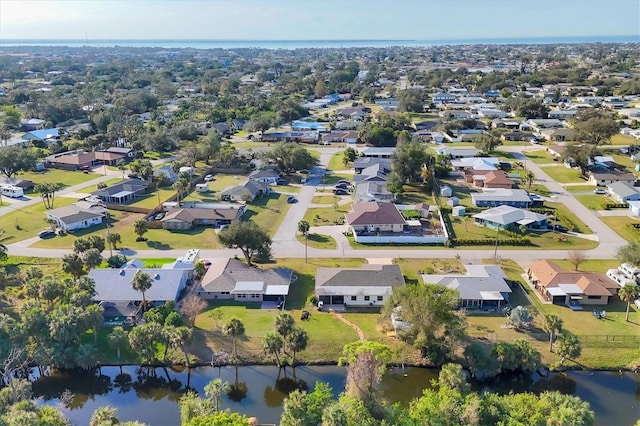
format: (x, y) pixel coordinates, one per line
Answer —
(317, 20)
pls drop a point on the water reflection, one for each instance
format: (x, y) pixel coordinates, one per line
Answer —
(151, 395)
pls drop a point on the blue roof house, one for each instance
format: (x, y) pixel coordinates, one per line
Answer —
(41, 134)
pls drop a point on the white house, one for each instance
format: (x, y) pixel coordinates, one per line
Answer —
(623, 192)
(77, 216)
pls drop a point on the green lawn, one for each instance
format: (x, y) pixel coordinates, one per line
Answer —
(336, 162)
(64, 177)
(91, 188)
(268, 211)
(332, 178)
(622, 140)
(622, 225)
(414, 194)
(539, 157)
(593, 201)
(23, 223)
(568, 218)
(319, 241)
(153, 199)
(580, 188)
(413, 268)
(318, 216)
(325, 199)
(18, 264)
(221, 182)
(544, 240)
(158, 239)
(581, 323)
(563, 174)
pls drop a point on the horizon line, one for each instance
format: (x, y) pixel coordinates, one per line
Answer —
(322, 40)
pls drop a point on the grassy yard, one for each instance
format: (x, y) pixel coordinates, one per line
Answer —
(64, 177)
(543, 240)
(325, 199)
(412, 269)
(539, 157)
(221, 182)
(318, 216)
(332, 178)
(580, 188)
(319, 241)
(622, 225)
(570, 218)
(91, 188)
(414, 194)
(622, 140)
(153, 199)
(562, 174)
(592, 201)
(18, 264)
(23, 223)
(268, 211)
(336, 162)
(581, 323)
(158, 239)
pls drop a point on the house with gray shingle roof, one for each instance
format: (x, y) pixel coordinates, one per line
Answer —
(623, 192)
(79, 215)
(375, 217)
(369, 285)
(232, 279)
(507, 217)
(247, 191)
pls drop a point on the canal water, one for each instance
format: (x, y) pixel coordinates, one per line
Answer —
(151, 395)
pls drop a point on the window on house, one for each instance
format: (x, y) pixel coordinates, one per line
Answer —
(593, 297)
(366, 298)
(380, 298)
(354, 298)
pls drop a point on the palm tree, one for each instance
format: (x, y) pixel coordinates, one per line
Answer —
(142, 282)
(272, 345)
(529, 177)
(297, 341)
(284, 325)
(234, 328)
(118, 337)
(628, 293)
(180, 185)
(3, 247)
(553, 325)
(214, 390)
(104, 416)
(303, 227)
(72, 264)
(140, 228)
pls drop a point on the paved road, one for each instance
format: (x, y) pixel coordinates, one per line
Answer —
(286, 246)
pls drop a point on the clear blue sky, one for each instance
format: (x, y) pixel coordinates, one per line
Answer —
(316, 19)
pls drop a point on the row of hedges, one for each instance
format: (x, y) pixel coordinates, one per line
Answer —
(609, 206)
(487, 241)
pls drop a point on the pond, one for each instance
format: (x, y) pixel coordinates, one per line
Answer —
(151, 395)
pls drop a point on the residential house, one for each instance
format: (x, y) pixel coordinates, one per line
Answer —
(425, 125)
(491, 113)
(348, 136)
(377, 152)
(114, 292)
(303, 137)
(347, 125)
(375, 217)
(489, 179)
(71, 160)
(480, 287)
(80, 215)
(634, 208)
(510, 218)
(457, 153)
(603, 161)
(502, 197)
(603, 177)
(367, 286)
(562, 114)
(557, 135)
(454, 114)
(516, 136)
(42, 135)
(357, 113)
(362, 163)
(366, 191)
(188, 217)
(166, 171)
(623, 192)
(31, 124)
(571, 288)
(557, 151)
(128, 153)
(306, 126)
(122, 192)
(268, 176)
(544, 123)
(502, 123)
(231, 279)
(476, 163)
(443, 98)
(247, 191)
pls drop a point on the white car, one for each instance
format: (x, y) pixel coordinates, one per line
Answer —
(599, 191)
(637, 303)
(208, 178)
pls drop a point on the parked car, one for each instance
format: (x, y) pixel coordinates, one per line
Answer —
(281, 181)
(303, 171)
(208, 178)
(599, 191)
(341, 186)
(557, 228)
(346, 182)
(47, 233)
(160, 216)
(339, 191)
(85, 168)
(291, 199)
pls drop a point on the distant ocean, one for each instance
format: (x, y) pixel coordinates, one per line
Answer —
(306, 44)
